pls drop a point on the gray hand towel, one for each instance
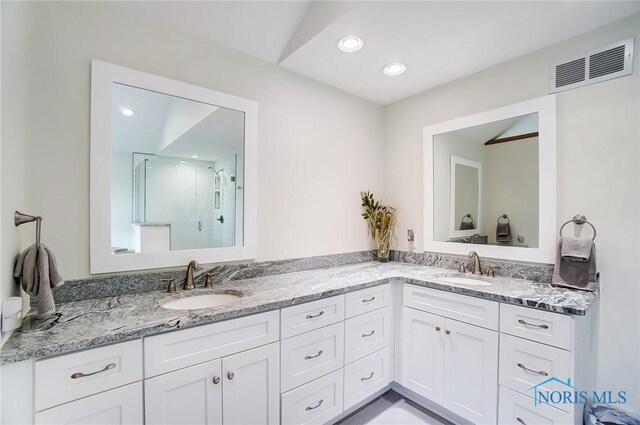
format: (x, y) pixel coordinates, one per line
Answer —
(37, 272)
(573, 274)
(576, 249)
(503, 233)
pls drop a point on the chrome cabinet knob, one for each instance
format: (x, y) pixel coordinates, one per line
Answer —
(438, 328)
(448, 332)
(230, 375)
(216, 380)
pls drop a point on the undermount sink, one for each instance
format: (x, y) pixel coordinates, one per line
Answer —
(463, 281)
(202, 301)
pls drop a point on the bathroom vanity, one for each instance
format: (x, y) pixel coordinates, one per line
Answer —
(306, 348)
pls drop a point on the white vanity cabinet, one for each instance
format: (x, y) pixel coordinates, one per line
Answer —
(468, 359)
(543, 349)
(447, 361)
(335, 354)
(239, 389)
(201, 388)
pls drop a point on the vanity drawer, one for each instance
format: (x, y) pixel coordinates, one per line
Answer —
(366, 376)
(519, 409)
(367, 333)
(314, 403)
(524, 364)
(365, 300)
(548, 328)
(176, 350)
(313, 354)
(121, 406)
(464, 308)
(313, 315)
(65, 378)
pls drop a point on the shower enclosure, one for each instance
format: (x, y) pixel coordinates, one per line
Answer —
(195, 199)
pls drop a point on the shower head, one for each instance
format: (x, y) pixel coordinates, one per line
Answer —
(217, 172)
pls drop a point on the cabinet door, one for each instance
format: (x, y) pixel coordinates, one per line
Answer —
(422, 350)
(471, 372)
(121, 406)
(252, 386)
(186, 396)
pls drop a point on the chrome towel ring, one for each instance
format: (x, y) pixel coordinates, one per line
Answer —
(503, 216)
(578, 220)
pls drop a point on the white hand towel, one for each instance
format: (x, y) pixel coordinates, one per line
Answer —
(37, 272)
(576, 249)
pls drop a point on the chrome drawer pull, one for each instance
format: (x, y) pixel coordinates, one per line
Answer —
(522, 322)
(369, 334)
(369, 300)
(84, 375)
(316, 406)
(521, 421)
(309, 316)
(313, 357)
(367, 378)
(537, 372)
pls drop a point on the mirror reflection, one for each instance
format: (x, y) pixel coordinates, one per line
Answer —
(176, 173)
(486, 183)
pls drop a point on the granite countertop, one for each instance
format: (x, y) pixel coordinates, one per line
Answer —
(89, 323)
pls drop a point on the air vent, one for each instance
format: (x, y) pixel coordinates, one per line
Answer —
(602, 64)
(570, 72)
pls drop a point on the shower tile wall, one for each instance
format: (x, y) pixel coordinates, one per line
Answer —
(224, 233)
(183, 196)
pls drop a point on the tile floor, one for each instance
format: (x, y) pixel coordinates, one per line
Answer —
(392, 409)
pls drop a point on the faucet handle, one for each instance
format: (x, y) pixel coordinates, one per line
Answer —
(171, 287)
(491, 271)
(462, 268)
(208, 283)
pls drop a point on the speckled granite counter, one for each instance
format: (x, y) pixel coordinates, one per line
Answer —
(93, 322)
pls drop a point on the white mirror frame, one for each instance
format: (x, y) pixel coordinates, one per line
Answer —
(453, 220)
(103, 75)
(547, 175)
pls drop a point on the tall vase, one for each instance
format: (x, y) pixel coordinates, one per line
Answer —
(383, 248)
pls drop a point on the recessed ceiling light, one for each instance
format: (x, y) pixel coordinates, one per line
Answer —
(183, 162)
(350, 43)
(194, 156)
(393, 69)
(127, 112)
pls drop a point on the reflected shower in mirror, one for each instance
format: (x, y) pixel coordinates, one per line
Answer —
(176, 173)
(486, 183)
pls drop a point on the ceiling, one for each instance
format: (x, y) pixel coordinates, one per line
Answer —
(439, 41)
(172, 126)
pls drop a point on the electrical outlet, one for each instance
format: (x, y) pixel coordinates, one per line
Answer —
(410, 235)
(520, 238)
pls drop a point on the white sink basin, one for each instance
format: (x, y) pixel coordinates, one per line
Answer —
(464, 281)
(202, 301)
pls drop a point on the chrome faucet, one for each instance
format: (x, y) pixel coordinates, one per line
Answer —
(476, 268)
(188, 280)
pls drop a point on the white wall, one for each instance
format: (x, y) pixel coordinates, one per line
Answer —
(598, 173)
(445, 146)
(318, 146)
(510, 186)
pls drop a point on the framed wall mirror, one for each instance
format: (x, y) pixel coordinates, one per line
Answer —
(490, 183)
(173, 172)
